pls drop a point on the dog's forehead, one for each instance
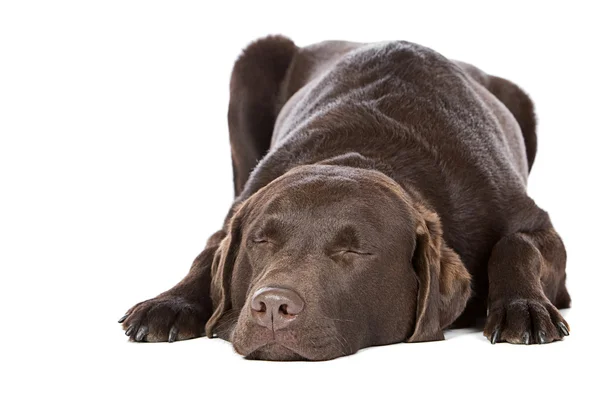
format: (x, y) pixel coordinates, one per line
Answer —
(333, 190)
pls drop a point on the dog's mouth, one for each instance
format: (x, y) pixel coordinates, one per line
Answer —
(275, 352)
(288, 345)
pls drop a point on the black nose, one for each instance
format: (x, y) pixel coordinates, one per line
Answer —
(275, 308)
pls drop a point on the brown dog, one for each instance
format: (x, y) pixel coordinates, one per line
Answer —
(378, 188)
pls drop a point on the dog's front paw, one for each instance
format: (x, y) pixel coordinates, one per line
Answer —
(525, 321)
(165, 318)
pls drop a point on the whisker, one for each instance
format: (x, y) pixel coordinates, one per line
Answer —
(346, 341)
(338, 319)
(341, 346)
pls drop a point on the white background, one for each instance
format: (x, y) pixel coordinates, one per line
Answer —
(115, 169)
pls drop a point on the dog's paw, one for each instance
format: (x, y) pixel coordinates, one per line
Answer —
(167, 318)
(525, 321)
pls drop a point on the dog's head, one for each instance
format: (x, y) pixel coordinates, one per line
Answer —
(328, 259)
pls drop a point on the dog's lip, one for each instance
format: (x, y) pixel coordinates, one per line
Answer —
(269, 343)
(263, 344)
(274, 345)
(303, 354)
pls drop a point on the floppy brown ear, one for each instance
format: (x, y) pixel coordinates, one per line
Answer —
(221, 271)
(444, 282)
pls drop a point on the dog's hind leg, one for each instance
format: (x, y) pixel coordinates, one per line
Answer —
(255, 101)
(521, 106)
(515, 100)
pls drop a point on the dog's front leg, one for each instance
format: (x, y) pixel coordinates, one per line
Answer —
(527, 282)
(181, 312)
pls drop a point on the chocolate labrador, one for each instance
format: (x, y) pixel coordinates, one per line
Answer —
(380, 197)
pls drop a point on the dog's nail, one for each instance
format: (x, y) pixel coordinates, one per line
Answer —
(563, 329)
(495, 336)
(141, 334)
(541, 337)
(123, 318)
(130, 330)
(526, 338)
(173, 334)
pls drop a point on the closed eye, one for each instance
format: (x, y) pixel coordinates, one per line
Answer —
(353, 252)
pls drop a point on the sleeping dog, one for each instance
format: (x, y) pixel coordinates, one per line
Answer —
(380, 197)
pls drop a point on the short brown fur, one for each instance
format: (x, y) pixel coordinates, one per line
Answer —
(384, 187)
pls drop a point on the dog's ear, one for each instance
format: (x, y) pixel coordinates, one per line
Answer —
(444, 282)
(222, 270)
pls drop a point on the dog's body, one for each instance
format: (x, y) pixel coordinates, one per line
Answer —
(451, 143)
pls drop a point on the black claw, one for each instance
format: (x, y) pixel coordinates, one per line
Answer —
(173, 334)
(541, 337)
(123, 318)
(130, 330)
(141, 334)
(563, 329)
(495, 335)
(526, 338)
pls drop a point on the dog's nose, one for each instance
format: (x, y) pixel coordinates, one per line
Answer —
(275, 308)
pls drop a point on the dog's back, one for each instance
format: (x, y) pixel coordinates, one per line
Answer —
(422, 92)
